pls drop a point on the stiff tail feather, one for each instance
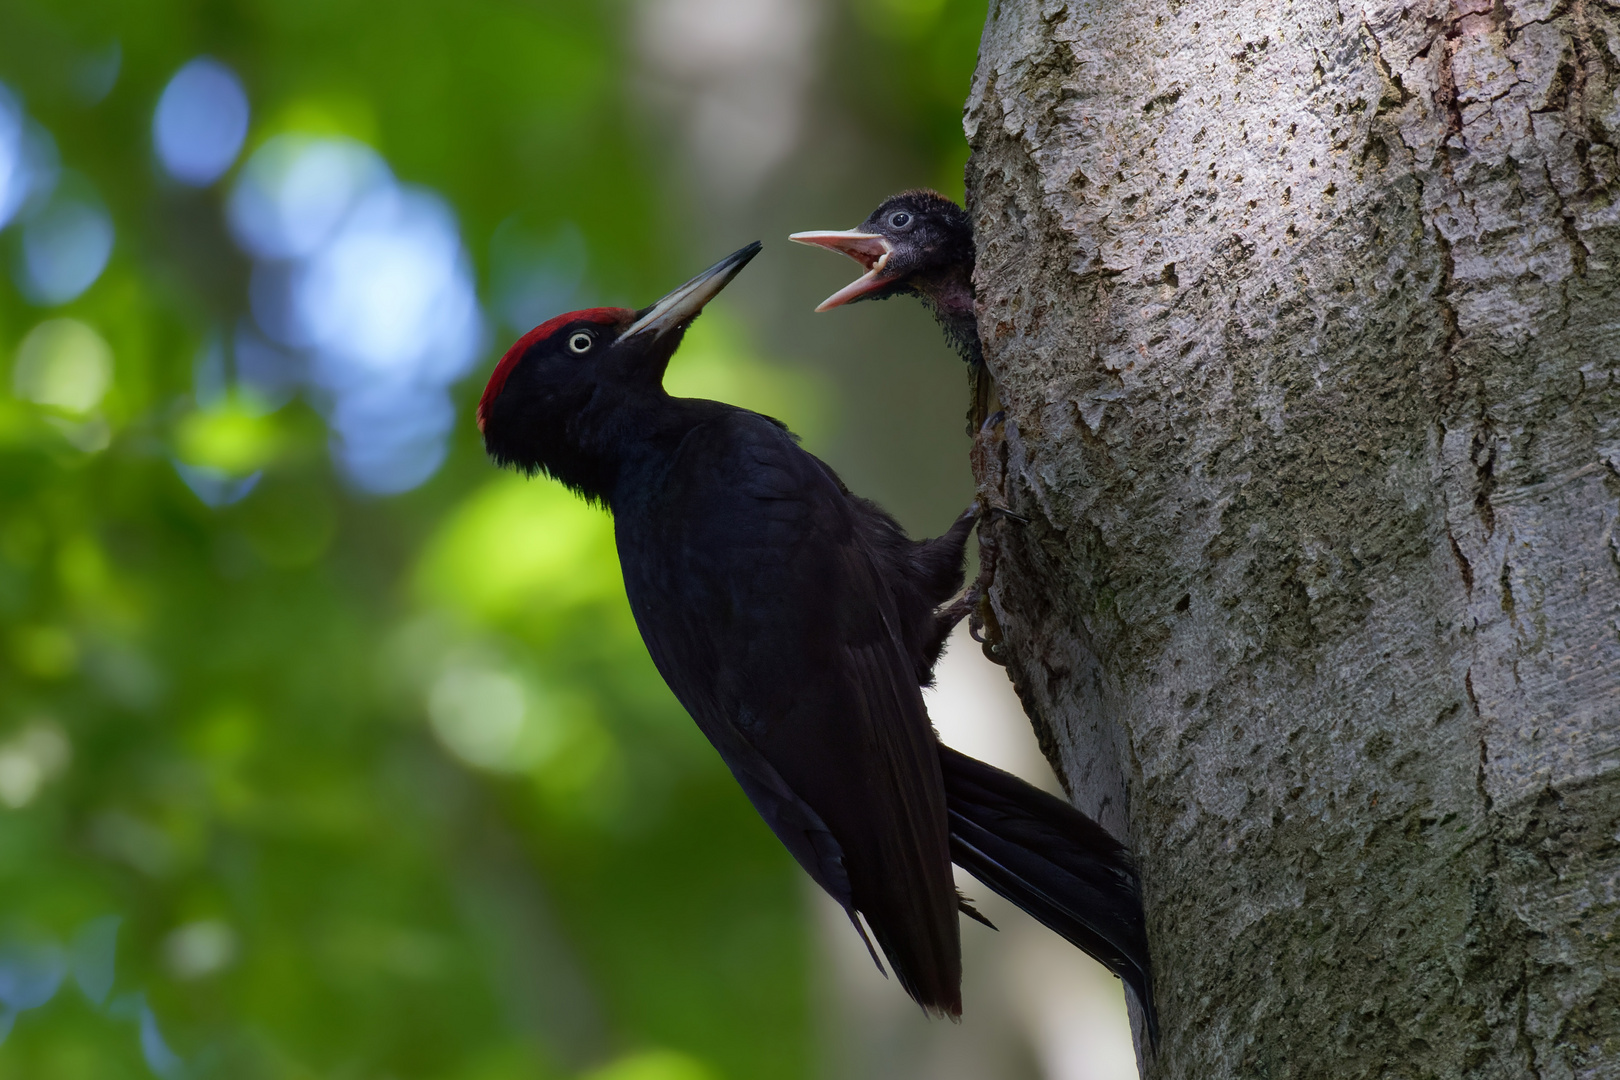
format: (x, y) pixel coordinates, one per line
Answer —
(1053, 862)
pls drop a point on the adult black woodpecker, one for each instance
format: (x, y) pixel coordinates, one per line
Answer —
(918, 243)
(796, 623)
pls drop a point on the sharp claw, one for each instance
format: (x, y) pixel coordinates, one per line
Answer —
(994, 420)
(1003, 512)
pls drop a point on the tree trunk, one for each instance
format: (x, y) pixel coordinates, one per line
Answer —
(1306, 322)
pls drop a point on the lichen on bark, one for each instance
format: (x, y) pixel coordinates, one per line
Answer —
(1306, 320)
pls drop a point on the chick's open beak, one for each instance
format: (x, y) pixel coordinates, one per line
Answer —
(869, 249)
(682, 306)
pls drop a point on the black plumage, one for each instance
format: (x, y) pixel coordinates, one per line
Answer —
(1055, 863)
(796, 623)
(918, 243)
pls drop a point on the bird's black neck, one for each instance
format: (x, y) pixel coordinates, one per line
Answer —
(591, 441)
(634, 443)
(949, 295)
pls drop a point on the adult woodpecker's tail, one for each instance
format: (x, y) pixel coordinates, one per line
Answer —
(1055, 863)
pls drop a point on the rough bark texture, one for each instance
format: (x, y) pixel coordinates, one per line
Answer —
(1306, 319)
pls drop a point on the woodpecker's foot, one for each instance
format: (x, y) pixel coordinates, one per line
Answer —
(946, 618)
(989, 458)
(989, 635)
(982, 618)
(983, 628)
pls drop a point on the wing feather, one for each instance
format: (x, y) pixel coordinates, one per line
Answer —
(764, 609)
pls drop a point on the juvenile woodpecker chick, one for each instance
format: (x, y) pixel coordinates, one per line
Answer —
(917, 243)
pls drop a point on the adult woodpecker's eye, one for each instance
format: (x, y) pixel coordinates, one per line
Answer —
(581, 341)
(899, 219)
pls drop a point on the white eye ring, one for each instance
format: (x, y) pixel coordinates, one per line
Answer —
(580, 342)
(899, 219)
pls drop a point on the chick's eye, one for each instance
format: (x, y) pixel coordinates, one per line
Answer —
(581, 342)
(899, 219)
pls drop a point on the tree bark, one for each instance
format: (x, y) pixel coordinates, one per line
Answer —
(1306, 321)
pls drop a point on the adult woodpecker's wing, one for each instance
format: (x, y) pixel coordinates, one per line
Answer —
(1031, 847)
(764, 611)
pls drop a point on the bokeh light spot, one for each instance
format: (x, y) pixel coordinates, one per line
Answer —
(96, 73)
(37, 754)
(130, 840)
(28, 160)
(654, 1065)
(200, 122)
(199, 949)
(366, 279)
(95, 957)
(155, 1049)
(296, 189)
(65, 364)
(64, 250)
(30, 973)
(270, 374)
(478, 715)
(389, 437)
(13, 175)
(232, 437)
(519, 546)
(216, 487)
(391, 291)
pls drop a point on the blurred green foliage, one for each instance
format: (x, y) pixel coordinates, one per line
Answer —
(319, 784)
